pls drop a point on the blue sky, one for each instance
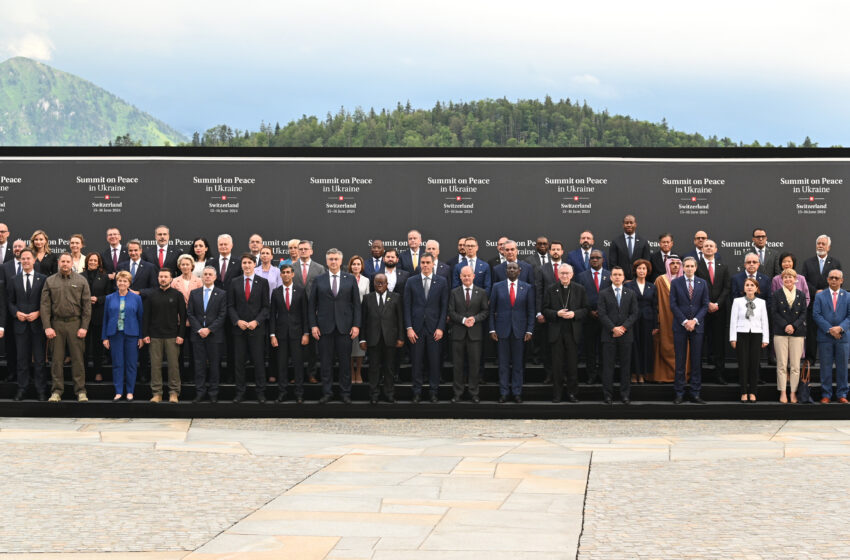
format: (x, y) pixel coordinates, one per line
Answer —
(775, 72)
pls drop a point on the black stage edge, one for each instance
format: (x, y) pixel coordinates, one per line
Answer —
(443, 410)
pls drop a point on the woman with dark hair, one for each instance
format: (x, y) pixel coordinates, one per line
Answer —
(749, 333)
(642, 350)
(100, 286)
(788, 260)
(45, 261)
(200, 254)
(355, 268)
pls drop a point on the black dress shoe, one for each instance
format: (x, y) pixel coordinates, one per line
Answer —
(198, 398)
(416, 399)
(476, 400)
(391, 400)
(238, 398)
(678, 400)
(346, 400)
(434, 399)
(299, 400)
(502, 399)
(213, 399)
(697, 400)
(281, 397)
(517, 399)
(627, 401)
(607, 400)
(721, 380)
(42, 397)
(324, 400)
(261, 398)
(19, 395)
(572, 398)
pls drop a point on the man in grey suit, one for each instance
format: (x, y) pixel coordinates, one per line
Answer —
(768, 258)
(469, 306)
(306, 270)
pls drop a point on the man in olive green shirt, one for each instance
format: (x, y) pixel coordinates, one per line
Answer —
(65, 315)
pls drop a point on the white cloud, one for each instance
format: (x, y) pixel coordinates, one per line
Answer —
(30, 45)
(24, 31)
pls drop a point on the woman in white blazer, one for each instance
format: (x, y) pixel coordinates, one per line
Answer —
(749, 333)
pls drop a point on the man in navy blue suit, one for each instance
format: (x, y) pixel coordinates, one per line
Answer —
(143, 272)
(479, 266)
(25, 306)
(579, 258)
(512, 311)
(334, 315)
(207, 314)
(594, 279)
(751, 269)
(426, 302)
(432, 247)
(628, 247)
(689, 304)
(375, 263)
(832, 316)
(248, 310)
(526, 269)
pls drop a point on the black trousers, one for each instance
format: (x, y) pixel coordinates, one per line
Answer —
(619, 348)
(94, 349)
(715, 327)
(340, 344)
(207, 360)
(564, 364)
(748, 348)
(382, 359)
(30, 351)
(592, 333)
(290, 347)
(251, 343)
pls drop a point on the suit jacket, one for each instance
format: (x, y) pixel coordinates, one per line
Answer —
(612, 315)
(288, 323)
(445, 271)
(133, 315)
(19, 301)
(719, 291)
(49, 264)
(478, 308)
(547, 277)
(313, 271)
(575, 300)
(782, 314)
(256, 308)
(146, 275)
(693, 253)
(234, 269)
(405, 260)
(647, 301)
(771, 265)
(214, 318)
(106, 257)
(658, 268)
(494, 262)
(586, 280)
(576, 259)
(369, 269)
(401, 280)
(527, 274)
(686, 308)
(534, 258)
(825, 317)
(618, 254)
(9, 254)
(151, 254)
(426, 315)
(814, 278)
(7, 275)
(737, 289)
(328, 312)
(482, 274)
(516, 320)
(382, 326)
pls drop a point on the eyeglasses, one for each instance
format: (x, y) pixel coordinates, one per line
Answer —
(760, 236)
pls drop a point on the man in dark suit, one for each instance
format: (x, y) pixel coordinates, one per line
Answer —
(8, 271)
(768, 258)
(816, 271)
(618, 313)
(375, 263)
(565, 307)
(526, 273)
(481, 268)
(548, 274)
(469, 306)
(697, 253)
(432, 247)
(306, 270)
(409, 258)
(143, 272)
(717, 278)
(25, 304)
(500, 257)
(512, 312)
(540, 256)
(207, 313)
(289, 331)
(751, 270)
(163, 255)
(396, 277)
(334, 317)
(579, 258)
(659, 258)
(5, 246)
(381, 336)
(227, 268)
(461, 253)
(594, 279)
(426, 301)
(832, 316)
(689, 304)
(628, 247)
(115, 253)
(248, 311)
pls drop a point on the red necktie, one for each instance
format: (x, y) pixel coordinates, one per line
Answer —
(114, 259)
(513, 294)
(555, 270)
(287, 299)
(247, 289)
(834, 301)
(467, 297)
(304, 274)
(596, 279)
(161, 256)
(223, 267)
(711, 271)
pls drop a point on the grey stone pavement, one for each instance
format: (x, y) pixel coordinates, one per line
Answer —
(345, 489)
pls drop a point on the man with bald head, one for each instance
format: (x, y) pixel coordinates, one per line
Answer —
(628, 247)
(381, 336)
(468, 309)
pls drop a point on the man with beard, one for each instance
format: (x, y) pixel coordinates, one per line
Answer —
(396, 277)
(579, 258)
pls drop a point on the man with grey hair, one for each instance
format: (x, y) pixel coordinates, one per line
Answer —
(162, 254)
(816, 272)
(565, 307)
(408, 260)
(432, 247)
(333, 312)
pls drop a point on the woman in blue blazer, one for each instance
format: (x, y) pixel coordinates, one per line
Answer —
(121, 334)
(642, 352)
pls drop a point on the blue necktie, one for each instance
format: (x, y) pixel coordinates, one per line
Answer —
(618, 296)
(586, 260)
(631, 247)
(19, 267)
(206, 298)
(133, 270)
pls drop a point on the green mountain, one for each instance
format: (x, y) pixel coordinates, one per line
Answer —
(42, 106)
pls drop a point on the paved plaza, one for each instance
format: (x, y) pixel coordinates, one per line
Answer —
(378, 489)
